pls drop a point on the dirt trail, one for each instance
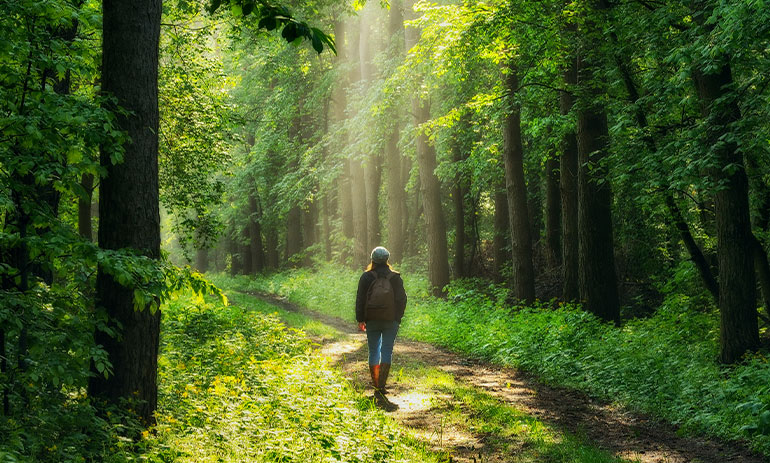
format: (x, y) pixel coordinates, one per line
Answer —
(624, 434)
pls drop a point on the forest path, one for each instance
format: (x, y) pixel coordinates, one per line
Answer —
(427, 411)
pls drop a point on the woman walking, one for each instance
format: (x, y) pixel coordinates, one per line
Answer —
(380, 304)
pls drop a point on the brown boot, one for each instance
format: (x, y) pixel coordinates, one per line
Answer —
(374, 370)
(383, 378)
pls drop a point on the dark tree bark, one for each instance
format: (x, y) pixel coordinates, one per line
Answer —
(596, 275)
(438, 259)
(518, 215)
(273, 256)
(128, 204)
(568, 181)
(739, 330)
(85, 227)
(552, 212)
(502, 236)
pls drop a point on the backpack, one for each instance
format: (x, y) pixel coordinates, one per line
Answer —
(380, 299)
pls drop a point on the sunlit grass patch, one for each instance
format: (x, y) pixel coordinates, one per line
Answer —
(239, 385)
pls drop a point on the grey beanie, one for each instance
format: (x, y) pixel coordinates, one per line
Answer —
(380, 255)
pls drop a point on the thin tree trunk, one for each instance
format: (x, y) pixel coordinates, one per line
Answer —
(502, 236)
(696, 255)
(438, 260)
(458, 197)
(396, 193)
(327, 228)
(568, 185)
(85, 227)
(372, 165)
(255, 234)
(360, 228)
(293, 233)
(232, 249)
(552, 213)
(273, 256)
(128, 205)
(518, 215)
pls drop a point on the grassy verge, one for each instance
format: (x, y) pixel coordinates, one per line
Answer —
(447, 408)
(664, 365)
(239, 385)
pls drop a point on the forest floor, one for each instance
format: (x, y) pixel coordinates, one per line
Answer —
(435, 413)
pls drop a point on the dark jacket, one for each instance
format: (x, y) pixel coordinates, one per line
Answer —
(366, 281)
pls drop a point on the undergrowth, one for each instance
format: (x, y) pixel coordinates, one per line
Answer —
(238, 385)
(665, 365)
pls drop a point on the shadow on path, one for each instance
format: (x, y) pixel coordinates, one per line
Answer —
(625, 434)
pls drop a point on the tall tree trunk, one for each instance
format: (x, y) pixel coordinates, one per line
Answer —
(346, 200)
(568, 185)
(245, 248)
(502, 236)
(326, 228)
(360, 228)
(438, 259)
(396, 194)
(735, 242)
(344, 194)
(273, 256)
(372, 165)
(201, 259)
(458, 197)
(518, 215)
(393, 159)
(596, 276)
(233, 250)
(552, 212)
(129, 214)
(255, 234)
(293, 232)
(85, 227)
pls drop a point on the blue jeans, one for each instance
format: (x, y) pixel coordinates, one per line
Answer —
(381, 335)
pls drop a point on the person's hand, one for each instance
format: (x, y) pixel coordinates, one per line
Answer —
(362, 326)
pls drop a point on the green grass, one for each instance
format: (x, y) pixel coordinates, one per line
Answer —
(664, 365)
(506, 430)
(238, 385)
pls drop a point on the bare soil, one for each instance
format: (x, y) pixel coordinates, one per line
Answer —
(626, 434)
